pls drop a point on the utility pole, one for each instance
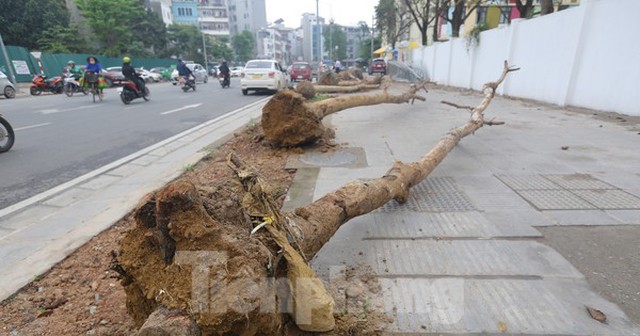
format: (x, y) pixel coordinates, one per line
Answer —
(204, 51)
(372, 33)
(331, 39)
(319, 28)
(12, 75)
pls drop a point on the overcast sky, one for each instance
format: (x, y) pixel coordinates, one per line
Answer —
(344, 12)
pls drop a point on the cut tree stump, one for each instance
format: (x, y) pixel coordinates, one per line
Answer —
(223, 277)
(289, 120)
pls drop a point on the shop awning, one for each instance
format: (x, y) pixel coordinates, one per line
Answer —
(413, 45)
(380, 51)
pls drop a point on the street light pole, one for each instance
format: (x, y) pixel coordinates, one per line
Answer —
(204, 50)
(372, 31)
(319, 54)
(331, 39)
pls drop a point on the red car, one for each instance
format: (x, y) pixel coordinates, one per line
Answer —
(378, 65)
(300, 71)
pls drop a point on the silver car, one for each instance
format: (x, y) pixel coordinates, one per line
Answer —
(7, 88)
(198, 71)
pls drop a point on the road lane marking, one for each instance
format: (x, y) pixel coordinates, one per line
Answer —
(182, 108)
(50, 111)
(30, 127)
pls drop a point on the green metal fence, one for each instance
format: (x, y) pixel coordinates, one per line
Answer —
(26, 65)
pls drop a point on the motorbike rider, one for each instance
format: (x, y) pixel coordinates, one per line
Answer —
(183, 70)
(94, 65)
(74, 70)
(224, 70)
(129, 73)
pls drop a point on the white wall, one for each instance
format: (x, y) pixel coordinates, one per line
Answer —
(586, 56)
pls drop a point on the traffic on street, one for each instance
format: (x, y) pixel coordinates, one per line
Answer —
(59, 138)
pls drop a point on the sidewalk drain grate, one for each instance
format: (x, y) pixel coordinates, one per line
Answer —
(570, 192)
(435, 194)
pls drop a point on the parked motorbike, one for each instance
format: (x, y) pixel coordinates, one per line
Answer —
(225, 81)
(71, 85)
(7, 136)
(129, 92)
(187, 83)
(41, 83)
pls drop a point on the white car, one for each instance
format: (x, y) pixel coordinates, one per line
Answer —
(236, 71)
(148, 76)
(198, 71)
(260, 75)
(6, 87)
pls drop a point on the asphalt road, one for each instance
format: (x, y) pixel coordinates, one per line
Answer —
(59, 138)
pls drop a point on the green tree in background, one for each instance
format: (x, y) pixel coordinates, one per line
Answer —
(243, 45)
(60, 39)
(336, 39)
(124, 27)
(149, 29)
(185, 42)
(219, 50)
(23, 21)
(365, 48)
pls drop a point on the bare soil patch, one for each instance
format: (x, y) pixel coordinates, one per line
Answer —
(82, 295)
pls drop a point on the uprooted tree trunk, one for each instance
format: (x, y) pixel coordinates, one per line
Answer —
(289, 120)
(222, 276)
(345, 88)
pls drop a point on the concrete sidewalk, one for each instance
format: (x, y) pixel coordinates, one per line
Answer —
(41, 231)
(458, 258)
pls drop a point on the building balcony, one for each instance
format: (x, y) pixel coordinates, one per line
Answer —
(216, 32)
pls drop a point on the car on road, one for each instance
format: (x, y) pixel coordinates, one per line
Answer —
(378, 65)
(300, 71)
(148, 76)
(7, 89)
(235, 71)
(113, 76)
(261, 75)
(198, 71)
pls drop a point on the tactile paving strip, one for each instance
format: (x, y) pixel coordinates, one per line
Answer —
(554, 200)
(435, 194)
(525, 182)
(611, 199)
(570, 192)
(578, 181)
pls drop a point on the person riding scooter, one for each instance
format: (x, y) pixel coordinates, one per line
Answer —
(225, 72)
(129, 72)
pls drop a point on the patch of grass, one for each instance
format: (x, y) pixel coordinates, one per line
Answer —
(190, 167)
(319, 97)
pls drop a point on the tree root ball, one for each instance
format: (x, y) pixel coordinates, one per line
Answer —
(179, 257)
(306, 89)
(328, 78)
(287, 121)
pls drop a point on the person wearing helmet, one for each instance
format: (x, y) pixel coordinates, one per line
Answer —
(74, 70)
(129, 72)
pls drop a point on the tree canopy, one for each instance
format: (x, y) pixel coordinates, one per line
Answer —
(244, 45)
(392, 20)
(24, 21)
(335, 42)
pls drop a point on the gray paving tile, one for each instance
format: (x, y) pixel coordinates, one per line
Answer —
(527, 182)
(509, 201)
(518, 218)
(625, 216)
(431, 258)
(100, 182)
(609, 199)
(68, 197)
(581, 217)
(28, 216)
(578, 181)
(555, 200)
(412, 225)
(125, 170)
(472, 306)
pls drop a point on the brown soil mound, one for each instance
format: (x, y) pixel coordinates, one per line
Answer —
(306, 89)
(287, 121)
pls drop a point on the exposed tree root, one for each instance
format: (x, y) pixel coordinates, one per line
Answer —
(289, 120)
(222, 276)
